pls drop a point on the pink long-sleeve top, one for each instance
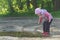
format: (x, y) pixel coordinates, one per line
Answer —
(45, 15)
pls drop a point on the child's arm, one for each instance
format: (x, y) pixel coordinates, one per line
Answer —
(40, 19)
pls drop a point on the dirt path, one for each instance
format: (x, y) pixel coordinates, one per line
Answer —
(16, 24)
(25, 38)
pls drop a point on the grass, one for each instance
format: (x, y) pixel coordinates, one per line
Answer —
(21, 34)
(55, 14)
(28, 13)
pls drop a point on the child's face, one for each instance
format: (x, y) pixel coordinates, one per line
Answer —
(39, 14)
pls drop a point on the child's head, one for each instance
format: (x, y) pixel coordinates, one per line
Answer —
(38, 11)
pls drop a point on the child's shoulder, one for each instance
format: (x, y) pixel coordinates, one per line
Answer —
(43, 9)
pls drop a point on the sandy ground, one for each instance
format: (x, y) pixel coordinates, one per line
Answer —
(25, 38)
(16, 24)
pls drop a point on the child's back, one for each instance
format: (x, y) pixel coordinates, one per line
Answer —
(46, 15)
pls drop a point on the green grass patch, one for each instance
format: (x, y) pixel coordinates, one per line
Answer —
(18, 14)
(56, 14)
(21, 34)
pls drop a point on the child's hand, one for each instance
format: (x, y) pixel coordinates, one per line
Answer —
(49, 20)
(39, 23)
